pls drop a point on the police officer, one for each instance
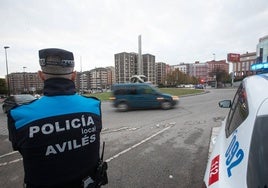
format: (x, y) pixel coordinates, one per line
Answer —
(58, 135)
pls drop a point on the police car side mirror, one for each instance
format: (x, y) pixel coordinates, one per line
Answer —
(225, 104)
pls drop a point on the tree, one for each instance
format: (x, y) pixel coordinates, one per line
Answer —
(177, 77)
(222, 76)
(3, 86)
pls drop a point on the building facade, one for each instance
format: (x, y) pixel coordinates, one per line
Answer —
(26, 82)
(214, 66)
(198, 70)
(262, 50)
(110, 76)
(125, 66)
(149, 67)
(161, 72)
(183, 67)
(241, 68)
(82, 82)
(95, 79)
(22, 82)
(98, 79)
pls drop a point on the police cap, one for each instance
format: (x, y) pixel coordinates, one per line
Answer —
(56, 61)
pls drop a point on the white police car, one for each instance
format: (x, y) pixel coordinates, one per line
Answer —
(240, 155)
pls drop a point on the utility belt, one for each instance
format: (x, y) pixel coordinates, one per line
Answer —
(100, 178)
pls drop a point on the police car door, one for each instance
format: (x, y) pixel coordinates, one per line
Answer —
(233, 147)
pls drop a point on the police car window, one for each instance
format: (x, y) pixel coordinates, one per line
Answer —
(257, 171)
(238, 112)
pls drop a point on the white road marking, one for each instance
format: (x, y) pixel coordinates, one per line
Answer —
(10, 162)
(7, 154)
(108, 160)
(136, 145)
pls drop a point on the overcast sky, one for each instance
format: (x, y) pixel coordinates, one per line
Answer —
(174, 31)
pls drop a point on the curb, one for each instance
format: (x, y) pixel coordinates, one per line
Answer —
(189, 95)
(214, 134)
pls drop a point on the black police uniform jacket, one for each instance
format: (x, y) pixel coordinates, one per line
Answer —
(58, 135)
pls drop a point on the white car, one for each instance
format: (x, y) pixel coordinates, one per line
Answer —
(240, 155)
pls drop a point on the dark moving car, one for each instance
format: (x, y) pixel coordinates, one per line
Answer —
(141, 96)
(15, 100)
(199, 86)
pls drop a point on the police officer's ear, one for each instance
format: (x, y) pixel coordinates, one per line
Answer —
(73, 75)
(41, 75)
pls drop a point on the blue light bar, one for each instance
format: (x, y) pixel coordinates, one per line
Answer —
(259, 67)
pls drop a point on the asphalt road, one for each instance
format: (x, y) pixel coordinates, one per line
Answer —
(145, 148)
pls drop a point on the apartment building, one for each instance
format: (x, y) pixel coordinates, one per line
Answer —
(198, 70)
(214, 66)
(241, 64)
(26, 82)
(126, 65)
(161, 72)
(110, 76)
(95, 79)
(22, 82)
(183, 67)
(82, 81)
(149, 67)
(98, 78)
(262, 50)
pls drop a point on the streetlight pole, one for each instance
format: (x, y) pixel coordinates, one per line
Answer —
(8, 87)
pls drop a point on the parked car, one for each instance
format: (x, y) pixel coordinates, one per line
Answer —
(239, 156)
(199, 86)
(15, 100)
(141, 96)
